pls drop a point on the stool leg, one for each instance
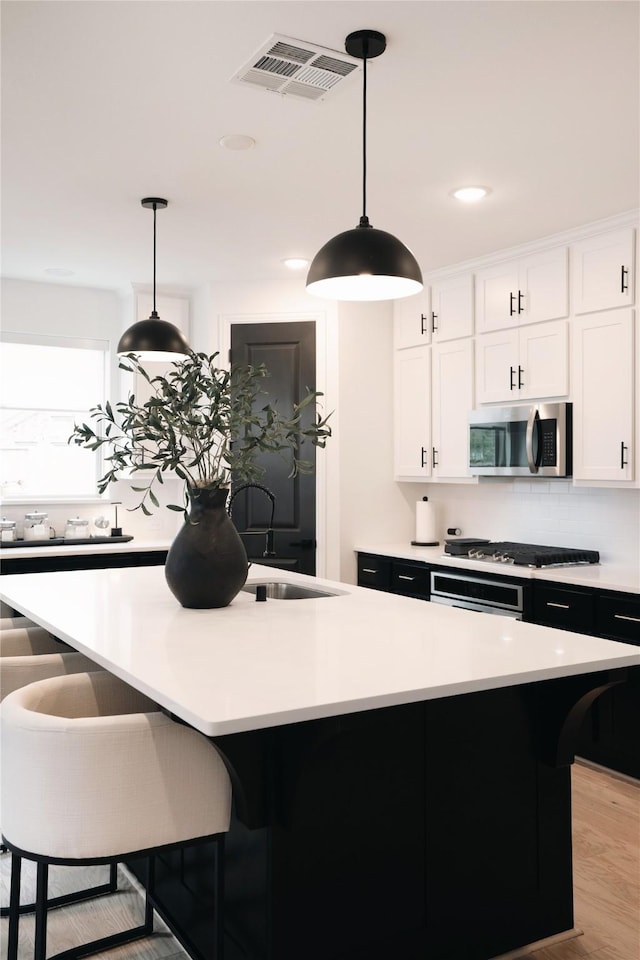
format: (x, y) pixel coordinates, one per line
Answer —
(42, 879)
(219, 900)
(14, 908)
(149, 892)
(113, 877)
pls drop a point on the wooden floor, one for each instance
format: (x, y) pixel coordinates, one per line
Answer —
(606, 837)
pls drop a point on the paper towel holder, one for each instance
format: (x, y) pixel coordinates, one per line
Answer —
(425, 543)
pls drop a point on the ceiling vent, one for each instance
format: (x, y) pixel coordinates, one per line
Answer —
(295, 68)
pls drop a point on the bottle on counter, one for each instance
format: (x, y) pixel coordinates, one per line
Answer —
(7, 530)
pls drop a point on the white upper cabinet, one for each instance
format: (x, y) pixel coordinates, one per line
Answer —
(530, 363)
(412, 413)
(452, 308)
(412, 321)
(452, 393)
(528, 290)
(603, 398)
(602, 275)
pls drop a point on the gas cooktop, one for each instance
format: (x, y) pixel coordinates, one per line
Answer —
(520, 554)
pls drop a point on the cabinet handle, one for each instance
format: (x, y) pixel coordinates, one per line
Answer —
(511, 383)
(369, 570)
(624, 279)
(423, 329)
(621, 616)
(434, 317)
(561, 606)
(512, 309)
(401, 576)
(623, 463)
(423, 453)
(520, 299)
(434, 454)
(520, 372)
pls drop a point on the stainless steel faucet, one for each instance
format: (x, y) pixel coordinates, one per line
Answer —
(268, 550)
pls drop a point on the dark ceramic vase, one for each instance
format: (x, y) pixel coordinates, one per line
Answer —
(207, 564)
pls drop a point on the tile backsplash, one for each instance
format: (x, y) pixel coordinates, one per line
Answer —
(555, 513)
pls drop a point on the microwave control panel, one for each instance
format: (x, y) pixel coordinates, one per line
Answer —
(548, 434)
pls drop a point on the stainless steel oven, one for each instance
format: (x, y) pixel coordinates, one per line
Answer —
(475, 593)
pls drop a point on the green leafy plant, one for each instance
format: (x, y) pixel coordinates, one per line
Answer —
(201, 422)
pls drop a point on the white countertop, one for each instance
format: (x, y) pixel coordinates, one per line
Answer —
(603, 576)
(82, 549)
(253, 665)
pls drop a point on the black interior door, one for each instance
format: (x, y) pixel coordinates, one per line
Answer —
(288, 351)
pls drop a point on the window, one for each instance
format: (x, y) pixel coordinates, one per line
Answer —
(46, 385)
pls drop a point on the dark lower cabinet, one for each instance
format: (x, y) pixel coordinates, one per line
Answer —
(410, 579)
(83, 561)
(374, 572)
(572, 609)
(610, 733)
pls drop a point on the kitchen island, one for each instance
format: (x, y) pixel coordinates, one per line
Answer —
(400, 769)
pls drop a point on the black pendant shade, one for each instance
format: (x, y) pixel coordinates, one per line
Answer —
(364, 263)
(154, 339)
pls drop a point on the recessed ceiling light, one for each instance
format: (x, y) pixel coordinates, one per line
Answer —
(237, 141)
(470, 194)
(59, 272)
(296, 263)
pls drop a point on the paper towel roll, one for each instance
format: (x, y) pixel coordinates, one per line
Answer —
(426, 526)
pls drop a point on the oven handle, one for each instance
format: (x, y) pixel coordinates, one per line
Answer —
(531, 422)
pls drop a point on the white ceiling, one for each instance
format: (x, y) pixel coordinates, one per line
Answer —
(104, 103)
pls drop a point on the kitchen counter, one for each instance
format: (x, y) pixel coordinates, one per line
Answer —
(88, 548)
(603, 576)
(399, 769)
(254, 665)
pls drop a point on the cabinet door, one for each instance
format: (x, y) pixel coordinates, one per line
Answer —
(412, 414)
(452, 396)
(543, 366)
(602, 271)
(497, 297)
(602, 376)
(544, 286)
(452, 308)
(412, 321)
(497, 367)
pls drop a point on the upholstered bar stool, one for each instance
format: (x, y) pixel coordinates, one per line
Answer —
(8, 623)
(124, 780)
(27, 656)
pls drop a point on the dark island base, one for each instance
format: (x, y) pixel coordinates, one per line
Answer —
(433, 831)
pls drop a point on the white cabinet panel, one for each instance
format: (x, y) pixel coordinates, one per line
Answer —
(412, 413)
(412, 321)
(543, 365)
(603, 396)
(452, 308)
(452, 399)
(529, 290)
(602, 271)
(544, 285)
(496, 287)
(496, 366)
(525, 364)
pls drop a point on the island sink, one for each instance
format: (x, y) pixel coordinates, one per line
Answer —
(282, 590)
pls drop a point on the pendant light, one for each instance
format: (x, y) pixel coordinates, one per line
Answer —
(364, 263)
(154, 339)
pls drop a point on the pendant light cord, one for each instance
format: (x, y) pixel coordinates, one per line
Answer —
(364, 220)
(154, 314)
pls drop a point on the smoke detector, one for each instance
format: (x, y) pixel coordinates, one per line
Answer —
(295, 68)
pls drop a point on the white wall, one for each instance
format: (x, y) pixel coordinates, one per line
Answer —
(372, 506)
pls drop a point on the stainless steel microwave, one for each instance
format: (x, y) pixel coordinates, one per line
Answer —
(524, 441)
